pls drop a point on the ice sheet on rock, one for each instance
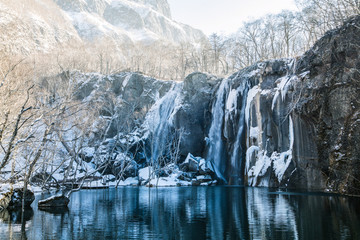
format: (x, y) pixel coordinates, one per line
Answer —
(282, 89)
(250, 97)
(231, 102)
(279, 161)
(282, 162)
(254, 132)
(262, 164)
(249, 154)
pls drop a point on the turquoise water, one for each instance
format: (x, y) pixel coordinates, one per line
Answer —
(190, 213)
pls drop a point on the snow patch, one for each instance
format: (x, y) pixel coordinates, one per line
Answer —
(145, 173)
(126, 81)
(254, 132)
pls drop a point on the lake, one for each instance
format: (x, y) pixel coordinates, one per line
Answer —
(190, 213)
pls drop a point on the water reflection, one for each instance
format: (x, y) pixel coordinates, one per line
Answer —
(194, 213)
(14, 216)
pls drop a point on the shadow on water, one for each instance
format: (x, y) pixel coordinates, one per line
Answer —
(195, 213)
(55, 210)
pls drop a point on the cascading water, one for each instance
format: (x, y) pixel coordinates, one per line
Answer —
(230, 172)
(239, 151)
(216, 154)
(158, 123)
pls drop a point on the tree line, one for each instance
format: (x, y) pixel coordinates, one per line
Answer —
(283, 35)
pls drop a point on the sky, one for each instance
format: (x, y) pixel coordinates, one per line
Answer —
(224, 16)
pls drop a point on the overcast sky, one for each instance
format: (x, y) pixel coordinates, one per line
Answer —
(224, 16)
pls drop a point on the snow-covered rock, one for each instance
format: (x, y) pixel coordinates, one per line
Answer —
(57, 201)
(146, 173)
(131, 181)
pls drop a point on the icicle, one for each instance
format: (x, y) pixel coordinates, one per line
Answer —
(282, 162)
(250, 96)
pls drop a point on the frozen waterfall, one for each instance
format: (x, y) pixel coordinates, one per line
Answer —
(216, 153)
(159, 121)
(239, 149)
(225, 108)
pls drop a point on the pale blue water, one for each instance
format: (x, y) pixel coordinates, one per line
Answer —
(191, 213)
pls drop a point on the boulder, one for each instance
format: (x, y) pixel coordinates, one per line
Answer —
(191, 164)
(186, 176)
(60, 201)
(203, 168)
(12, 200)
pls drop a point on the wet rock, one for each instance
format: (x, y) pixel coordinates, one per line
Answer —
(56, 210)
(194, 112)
(54, 202)
(195, 182)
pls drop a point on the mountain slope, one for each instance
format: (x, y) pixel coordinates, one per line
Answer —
(45, 24)
(26, 27)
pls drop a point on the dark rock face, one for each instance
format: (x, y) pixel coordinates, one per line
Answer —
(194, 111)
(329, 105)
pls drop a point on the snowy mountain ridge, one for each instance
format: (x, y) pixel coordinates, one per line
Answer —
(45, 24)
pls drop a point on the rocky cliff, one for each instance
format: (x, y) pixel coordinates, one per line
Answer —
(288, 123)
(293, 122)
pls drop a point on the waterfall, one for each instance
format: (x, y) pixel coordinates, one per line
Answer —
(216, 155)
(159, 121)
(239, 151)
(230, 172)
